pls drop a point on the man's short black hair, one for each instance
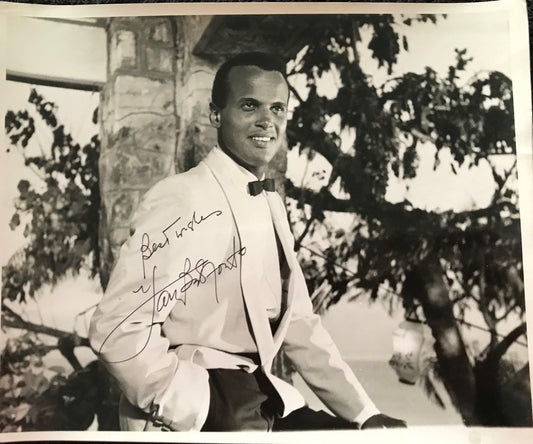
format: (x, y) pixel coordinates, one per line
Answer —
(263, 60)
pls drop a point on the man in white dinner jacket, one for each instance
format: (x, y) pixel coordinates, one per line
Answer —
(207, 289)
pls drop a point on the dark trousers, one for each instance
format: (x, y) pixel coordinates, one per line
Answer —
(248, 401)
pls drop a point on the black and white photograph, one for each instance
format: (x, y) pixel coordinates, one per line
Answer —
(227, 219)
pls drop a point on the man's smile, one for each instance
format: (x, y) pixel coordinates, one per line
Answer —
(262, 141)
(262, 138)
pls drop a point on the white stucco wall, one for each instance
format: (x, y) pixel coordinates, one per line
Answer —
(72, 51)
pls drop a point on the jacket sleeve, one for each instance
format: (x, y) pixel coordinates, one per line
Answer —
(125, 330)
(316, 357)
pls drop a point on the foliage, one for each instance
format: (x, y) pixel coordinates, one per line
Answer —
(470, 259)
(23, 380)
(35, 397)
(61, 214)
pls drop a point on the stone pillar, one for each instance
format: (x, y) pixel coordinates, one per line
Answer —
(194, 79)
(138, 118)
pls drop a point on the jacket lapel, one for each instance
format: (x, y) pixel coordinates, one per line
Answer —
(248, 262)
(285, 236)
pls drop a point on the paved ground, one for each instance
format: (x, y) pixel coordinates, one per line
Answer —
(393, 397)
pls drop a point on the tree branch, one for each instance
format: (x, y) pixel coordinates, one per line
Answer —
(298, 241)
(465, 295)
(292, 89)
(488, 315)
(325, 145)
(36, 349)
(355, 39)
(342, 267)
(507, 312)
(499, 350)
(31, 167)
(18, 322)
(330, 203)
(500, 180)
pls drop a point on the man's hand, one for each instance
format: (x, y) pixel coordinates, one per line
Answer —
(381, 421)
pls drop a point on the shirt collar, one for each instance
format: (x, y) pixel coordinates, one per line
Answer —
(234, 172)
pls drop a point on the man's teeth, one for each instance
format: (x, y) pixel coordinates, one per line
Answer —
(261, 139)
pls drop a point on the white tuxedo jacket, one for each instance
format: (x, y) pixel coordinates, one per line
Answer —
(189, 293)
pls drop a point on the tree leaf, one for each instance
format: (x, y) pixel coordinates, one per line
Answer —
(14, 222)
(21, 411)
(23, 186)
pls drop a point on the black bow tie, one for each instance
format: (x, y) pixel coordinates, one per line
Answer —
(255, 187)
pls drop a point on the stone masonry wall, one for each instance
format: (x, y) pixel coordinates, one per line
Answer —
(194, 78)
(138, 118)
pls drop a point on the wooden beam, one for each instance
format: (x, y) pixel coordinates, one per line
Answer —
(57, 82)
(97, 22)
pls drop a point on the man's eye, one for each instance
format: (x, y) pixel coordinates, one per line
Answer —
(279, 109)
(248, 106)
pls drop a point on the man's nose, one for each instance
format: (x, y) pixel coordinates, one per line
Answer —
(264, 119)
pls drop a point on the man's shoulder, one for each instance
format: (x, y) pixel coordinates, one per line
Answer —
(182, 185)
(178, 193)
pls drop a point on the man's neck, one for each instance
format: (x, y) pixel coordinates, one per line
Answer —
(258, 172)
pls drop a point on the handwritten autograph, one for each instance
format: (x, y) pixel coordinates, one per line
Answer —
(149, 248)
(189, 277)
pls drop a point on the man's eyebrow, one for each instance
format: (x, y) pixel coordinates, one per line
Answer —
(255, 101)
(248, 99)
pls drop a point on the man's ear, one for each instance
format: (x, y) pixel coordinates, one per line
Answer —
(214, 115)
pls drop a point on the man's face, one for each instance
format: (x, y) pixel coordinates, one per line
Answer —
(252, 124)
